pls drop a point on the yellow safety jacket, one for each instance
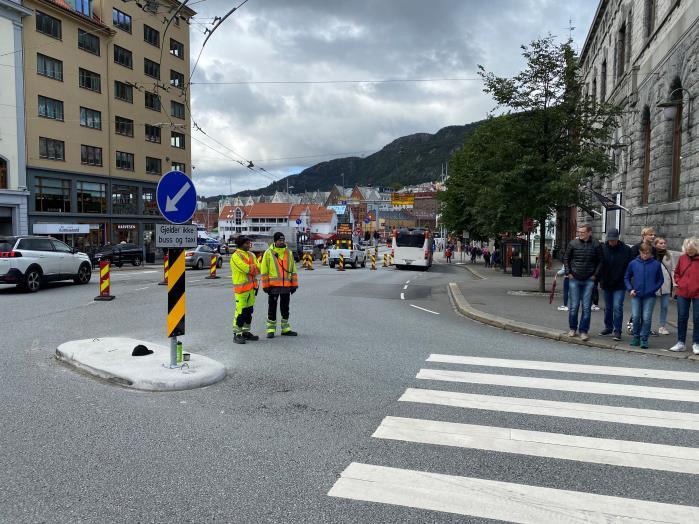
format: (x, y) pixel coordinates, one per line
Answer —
(244, 271)
(278, 269)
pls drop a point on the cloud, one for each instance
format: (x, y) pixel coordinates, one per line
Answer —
(308, 41)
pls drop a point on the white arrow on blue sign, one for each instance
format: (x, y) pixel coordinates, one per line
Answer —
(176, 197)
(367, 220)
(298, 221)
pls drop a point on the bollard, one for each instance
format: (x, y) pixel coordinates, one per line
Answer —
(390, 259)
(385, 260)
(212, 268)
(104, 282)
(325, 258)
(373, 262)
(309, 262)
(341, 265)
(165, 270)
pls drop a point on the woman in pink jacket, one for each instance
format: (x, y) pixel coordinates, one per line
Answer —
(687, 290)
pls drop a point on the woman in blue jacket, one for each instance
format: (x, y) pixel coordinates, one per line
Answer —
(643, 278)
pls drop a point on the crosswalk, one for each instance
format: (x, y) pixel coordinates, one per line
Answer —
(514, 502)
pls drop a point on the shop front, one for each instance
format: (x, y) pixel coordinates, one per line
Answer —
(125, 233)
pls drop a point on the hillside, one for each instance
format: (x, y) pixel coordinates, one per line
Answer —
(411, 159)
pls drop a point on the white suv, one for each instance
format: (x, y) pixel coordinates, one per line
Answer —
(29, 261)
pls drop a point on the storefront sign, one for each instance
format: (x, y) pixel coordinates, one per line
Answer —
(174, 236)
(402, 199)
(344, 229)
(126, 226)
(61, 229)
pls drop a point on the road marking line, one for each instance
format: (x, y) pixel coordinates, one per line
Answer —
(131, 273)
(579, 386)
(402, 296)
(503, 501)
(141, 288)
(626, 453)
(564, 367)
(405, 287)
(422, 308)
(551, 408)
(407, 281)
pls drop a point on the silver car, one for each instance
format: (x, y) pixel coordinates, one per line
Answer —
(200, 257)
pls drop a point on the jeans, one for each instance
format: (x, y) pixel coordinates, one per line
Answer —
(614, 309)
(580, 291)
(683, 316)
(642, 312)
(566, 290)
(664, 301)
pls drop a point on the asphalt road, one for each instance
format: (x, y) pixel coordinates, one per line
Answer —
(269, 442)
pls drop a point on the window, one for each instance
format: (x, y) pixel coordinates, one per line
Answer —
(154, 166)
(90, 118)
(123, 92)
(61, 247)
(47, 66)
(177, 140)
(90, 80)
(649, 17)
(152, 133)
(646, 156)
(603, 83)
(151, 68)
(48, 25)
(676, 150)
(92, 197)
(88, 42)
(621, 51)
(90, 155)
(51, 149)
(121, 20)
(238, 217)
(594, 88)
(4, 182)
(124, 161)
(176, 79)
(124, 200)
(176, 49)
(176, 109)
(35, 244)
(152, 101)
(178, 166)
(84, 7)
(151, 36)
(50, 108)
(123, 126)
(148, 202)
(123, 57)
(52, 195)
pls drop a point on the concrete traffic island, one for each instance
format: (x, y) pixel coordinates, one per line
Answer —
(111, 359)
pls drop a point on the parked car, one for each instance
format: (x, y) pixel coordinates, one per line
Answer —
(30, 261)
(119, 254)
(200, 257)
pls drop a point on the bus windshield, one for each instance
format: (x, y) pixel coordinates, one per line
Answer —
(410, 239)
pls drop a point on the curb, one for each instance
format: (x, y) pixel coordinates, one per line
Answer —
(463, 307)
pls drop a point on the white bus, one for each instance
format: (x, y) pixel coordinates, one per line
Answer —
(412, 248)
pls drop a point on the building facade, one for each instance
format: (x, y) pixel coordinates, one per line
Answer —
(106, 114)
(643, 56)
(13, 173)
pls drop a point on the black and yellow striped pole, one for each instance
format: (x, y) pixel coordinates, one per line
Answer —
(325, 258)
(341, 265)
(385, 260)
(175, 301)
(373, 262)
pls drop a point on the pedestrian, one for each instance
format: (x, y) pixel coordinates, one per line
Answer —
(583, 262)
(566, 288)
(664, 294)
(616, 257)
(447, 254)
(244, 273)
(687, 293)
(548, 259)
(279, 281)
(473, 255)
(486, 257)
(496, 258)
(643, 278)
(647, 236)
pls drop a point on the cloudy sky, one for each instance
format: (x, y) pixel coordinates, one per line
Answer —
(288, 84)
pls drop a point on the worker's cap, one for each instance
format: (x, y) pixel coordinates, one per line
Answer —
(613, 234)
(240, 241)
(278, 236)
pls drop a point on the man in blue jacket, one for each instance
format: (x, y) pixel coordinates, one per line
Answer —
(643, 278)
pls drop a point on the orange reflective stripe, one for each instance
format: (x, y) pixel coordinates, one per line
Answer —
(242, 288)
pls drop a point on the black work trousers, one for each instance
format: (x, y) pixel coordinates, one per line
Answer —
(245, 317)
(283, 300)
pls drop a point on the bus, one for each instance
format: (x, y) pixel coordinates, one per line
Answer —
(412, 248)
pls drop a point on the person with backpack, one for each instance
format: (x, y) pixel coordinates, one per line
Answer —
(643, 278)
(667, 264)
(687, 293)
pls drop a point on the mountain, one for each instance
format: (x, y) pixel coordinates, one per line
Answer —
(408, 160)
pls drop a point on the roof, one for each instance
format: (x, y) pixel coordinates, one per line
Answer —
(321, 214)
(593, 29)
(228, 212)
(269, 209)
(94, 19)
(297, 210)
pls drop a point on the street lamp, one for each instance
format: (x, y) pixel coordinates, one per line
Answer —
(671, 104)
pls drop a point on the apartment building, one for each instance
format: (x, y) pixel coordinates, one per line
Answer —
(106, 115)
(641, 55)
(13, 183)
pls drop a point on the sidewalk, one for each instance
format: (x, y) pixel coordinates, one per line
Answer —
(515, 304)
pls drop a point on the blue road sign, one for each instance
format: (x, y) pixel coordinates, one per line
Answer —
(176, 196)
(367, 220)
(298, 221)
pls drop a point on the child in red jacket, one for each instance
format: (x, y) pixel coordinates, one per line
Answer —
(687, 292)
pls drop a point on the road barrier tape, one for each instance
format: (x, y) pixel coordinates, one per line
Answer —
(165, 270)
(176, 295)
(105, 294)
(341, 265)
(213, 266)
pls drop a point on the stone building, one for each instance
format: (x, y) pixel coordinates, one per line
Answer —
(643, 55)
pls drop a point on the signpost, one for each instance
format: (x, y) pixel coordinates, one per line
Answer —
(177, 201)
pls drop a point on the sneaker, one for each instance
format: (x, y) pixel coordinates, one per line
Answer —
(635, 341)
(270, 335)
(562, 308)
(617, 335)
(250, 336)
(289, 333)
(571, 333)
(584, 337)
(238, 339)
(653, 333)
(679, 347)
(605, 332)
(595, 308)
(663, 331)
(644, 344)
(695, 348)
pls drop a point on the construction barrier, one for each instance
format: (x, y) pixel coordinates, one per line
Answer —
(165, 270)
(104, 282)
(176, 295)
(385, 260)
(308, 262)
(373, 262)
(390, 259)
(341, 265)
(212, 269)
(325, 258)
